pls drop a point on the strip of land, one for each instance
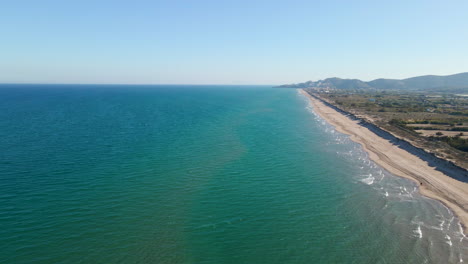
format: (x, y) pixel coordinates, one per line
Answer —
(395, 159)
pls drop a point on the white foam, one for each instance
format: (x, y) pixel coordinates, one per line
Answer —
(450, 222)
(418, 231)
(441, 226)
(462, 234)
(369, 180)
(449, 241)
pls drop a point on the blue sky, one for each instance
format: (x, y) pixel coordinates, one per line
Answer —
(229, 42)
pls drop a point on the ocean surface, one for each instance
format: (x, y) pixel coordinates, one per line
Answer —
(200, 174)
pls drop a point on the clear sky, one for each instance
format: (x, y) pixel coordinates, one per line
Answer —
(229, 42)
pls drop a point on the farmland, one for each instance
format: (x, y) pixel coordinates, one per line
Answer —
(434, 121)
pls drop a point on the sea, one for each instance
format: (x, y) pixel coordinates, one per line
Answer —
(200, 174)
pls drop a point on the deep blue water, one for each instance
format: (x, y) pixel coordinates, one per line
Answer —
(200, 174)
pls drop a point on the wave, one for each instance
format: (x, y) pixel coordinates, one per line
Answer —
(418, 231)
(369, 180)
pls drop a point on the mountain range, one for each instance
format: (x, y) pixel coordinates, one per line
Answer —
(453, 83)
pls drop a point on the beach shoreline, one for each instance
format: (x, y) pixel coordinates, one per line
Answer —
(432, 182)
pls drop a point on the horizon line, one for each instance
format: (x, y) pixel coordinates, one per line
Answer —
(136, 84)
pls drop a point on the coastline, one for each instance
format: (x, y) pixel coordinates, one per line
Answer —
(433, 183)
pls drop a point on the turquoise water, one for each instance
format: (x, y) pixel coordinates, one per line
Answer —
(179, 174)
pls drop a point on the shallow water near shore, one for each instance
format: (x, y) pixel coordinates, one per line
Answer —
(219, 174)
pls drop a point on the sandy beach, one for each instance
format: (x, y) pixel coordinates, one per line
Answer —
(433, 183)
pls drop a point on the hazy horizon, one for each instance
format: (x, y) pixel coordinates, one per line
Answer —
(207, 84)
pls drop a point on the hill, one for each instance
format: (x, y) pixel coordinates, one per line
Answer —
(332, 83)
(455, 83)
